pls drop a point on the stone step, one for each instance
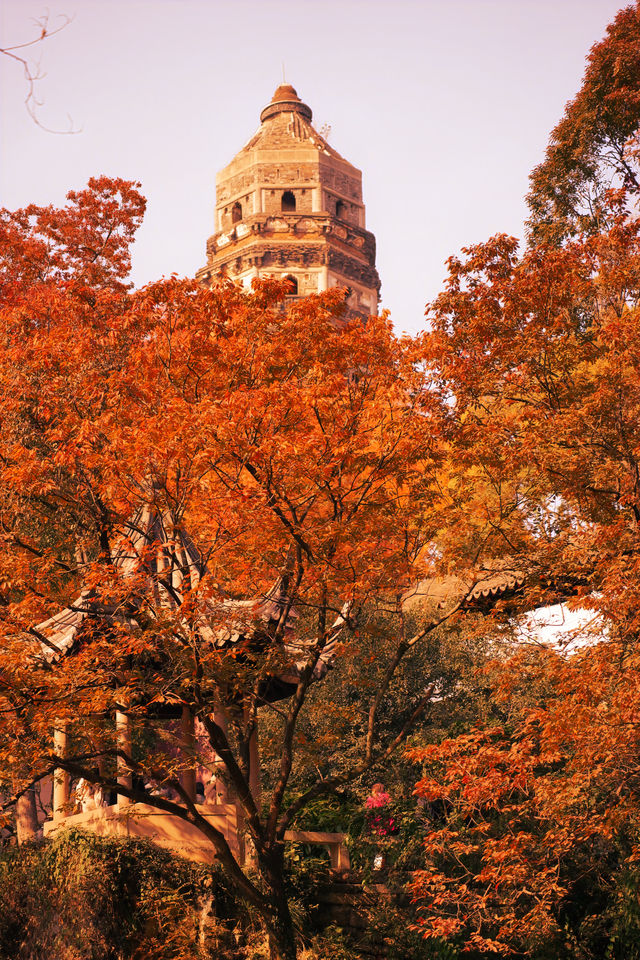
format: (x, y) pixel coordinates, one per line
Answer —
(342, 898)
(377, 889)
(346, 916)
(355, 888)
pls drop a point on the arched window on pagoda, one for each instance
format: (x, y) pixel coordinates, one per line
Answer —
(236, 212)
(293, 283)
(288, 204)
(340, 209)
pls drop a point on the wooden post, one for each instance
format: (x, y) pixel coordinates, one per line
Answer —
(61, 779)
(188, 741)
(222, 794)
(26, 816)
(255, 784)
(123, 742)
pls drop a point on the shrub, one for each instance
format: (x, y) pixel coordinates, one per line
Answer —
(82, 897)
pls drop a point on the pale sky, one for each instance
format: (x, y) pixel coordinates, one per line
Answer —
(445, 105)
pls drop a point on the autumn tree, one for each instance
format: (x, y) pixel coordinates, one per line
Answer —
(532, 850)
(534, 841)
(201, 491)
(535, 813)
(595, 145)
(69, 252)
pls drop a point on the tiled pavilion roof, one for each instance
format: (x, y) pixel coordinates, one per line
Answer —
(167, 559)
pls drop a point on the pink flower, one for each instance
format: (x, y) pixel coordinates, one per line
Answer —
(379, 823)
(377, 800)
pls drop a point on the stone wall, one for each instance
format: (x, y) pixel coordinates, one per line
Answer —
(323, 242)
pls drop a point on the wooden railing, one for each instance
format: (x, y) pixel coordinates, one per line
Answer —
(333, 842)
(143, 821)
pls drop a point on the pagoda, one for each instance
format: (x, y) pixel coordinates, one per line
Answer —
(289, 206)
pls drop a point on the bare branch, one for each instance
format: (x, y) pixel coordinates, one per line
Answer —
(32, 73)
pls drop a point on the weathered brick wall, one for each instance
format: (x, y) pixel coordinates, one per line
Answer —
(287, 154)
(341, 208)
(298, 174)
(333, 177)
(247, 204)
(272, 199)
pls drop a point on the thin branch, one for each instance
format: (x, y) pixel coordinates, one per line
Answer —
(32, 76)
(332, 783)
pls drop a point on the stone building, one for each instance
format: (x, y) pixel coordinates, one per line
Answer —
(288, 205)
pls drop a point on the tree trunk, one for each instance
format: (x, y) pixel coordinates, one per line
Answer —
(26, 817)
(282, 941)
(282, 938)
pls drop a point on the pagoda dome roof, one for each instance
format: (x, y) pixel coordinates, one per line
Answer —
(285, 122)
(285, 92)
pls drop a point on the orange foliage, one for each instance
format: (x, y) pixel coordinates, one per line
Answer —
(286, 449)
(535, 821)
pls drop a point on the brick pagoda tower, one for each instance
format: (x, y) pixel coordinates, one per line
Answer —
(288, 205)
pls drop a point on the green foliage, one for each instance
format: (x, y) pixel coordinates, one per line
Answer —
(333, 813)
(390, 926)
(82, 897)
(623, 915)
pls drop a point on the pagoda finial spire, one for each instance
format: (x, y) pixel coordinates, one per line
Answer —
(286, 100)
